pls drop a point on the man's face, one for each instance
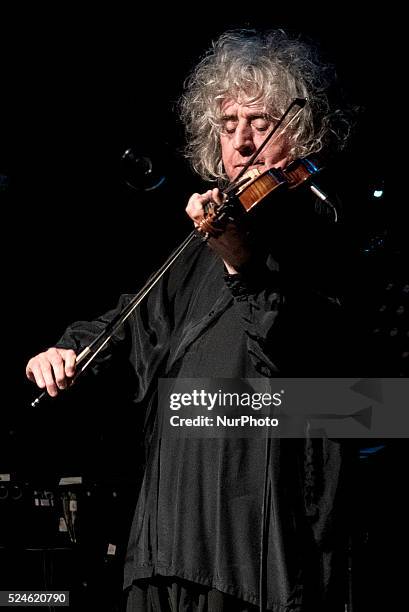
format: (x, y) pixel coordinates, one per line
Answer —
(244, 129)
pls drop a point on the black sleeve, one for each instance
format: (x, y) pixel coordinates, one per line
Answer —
(143, 339)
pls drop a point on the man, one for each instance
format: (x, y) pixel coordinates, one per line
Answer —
(234, 524)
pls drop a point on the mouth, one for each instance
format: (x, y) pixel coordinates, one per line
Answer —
(258, 163)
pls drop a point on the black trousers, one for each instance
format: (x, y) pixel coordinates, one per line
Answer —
(171, 594)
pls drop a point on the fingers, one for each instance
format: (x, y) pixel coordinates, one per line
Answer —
(52, 369)
(198, 203)
(217, 196)
(196, 206)
(70, 358)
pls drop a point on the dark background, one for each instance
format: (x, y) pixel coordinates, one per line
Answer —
(78, 88)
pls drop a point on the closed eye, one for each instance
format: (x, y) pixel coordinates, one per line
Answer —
(229, 124)
(259, 123)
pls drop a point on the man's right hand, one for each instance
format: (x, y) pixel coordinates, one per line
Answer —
(53, 369)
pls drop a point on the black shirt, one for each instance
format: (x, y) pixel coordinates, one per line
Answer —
(200, 507)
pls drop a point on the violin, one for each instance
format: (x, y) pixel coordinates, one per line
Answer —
(254, 187)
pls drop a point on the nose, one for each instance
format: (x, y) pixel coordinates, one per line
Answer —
(243, 139)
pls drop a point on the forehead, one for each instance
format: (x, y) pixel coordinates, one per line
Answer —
(230, 106)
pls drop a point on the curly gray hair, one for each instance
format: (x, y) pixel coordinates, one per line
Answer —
(266, 68)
